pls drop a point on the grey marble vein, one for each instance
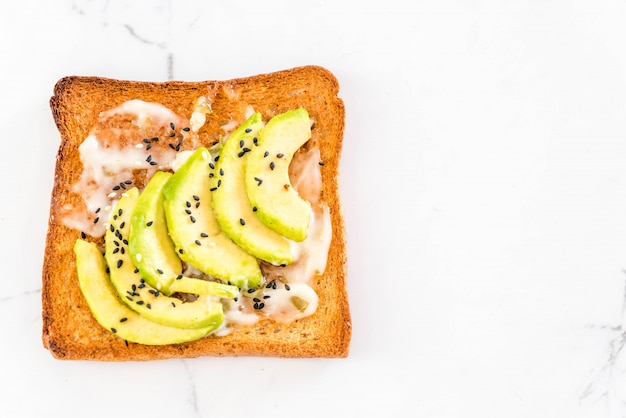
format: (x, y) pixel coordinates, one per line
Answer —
(19, 295)
(193, 396)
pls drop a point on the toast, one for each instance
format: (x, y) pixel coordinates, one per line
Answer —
(69, 328)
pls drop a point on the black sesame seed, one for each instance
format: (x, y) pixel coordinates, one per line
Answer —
(269, 284)
(139, 302)
(155, 139)
(186, 129)
(261, 305)
(115, 251)
(136, 271)
(151, 291)
(141, 286)
(117, 244)
(248, 130)
(173, 134)
(177, 147)
(219, 183)
(119, 212)
(192, 219)
(188, 211)
(128, 182)
(221, 171)
(149, 158)
(142, 281)
(114, 217)
(241, 221)
(156, 294)
(129, 298)
(251, 290)
(236, 299)
(124, 319)
(153, 163)
(134, 287)
(180, 276)
(148, 306)
(149, 223)
(213, 189)
(123, 186)
(119, 263)
(116, 187)
(196, 198)
(197, 205)
(256, 305)
(256, 299)
(210, 175)
(125, 242)
(272, 165)
(82, 235)
(172, 125)
(97, 210)
(280, 155)
(198, 242)
(113, 330)
(173, 304)
(180, 251)
(204, 235)
(321, 163)
(108, 270)
(172, 146)
(266, 296)
(258, 180)
(256, 141)
(287, 287)
(212, 166)
(241, 143)
(122, 225)
(126, 342)
(160, 271)
(216, 158)
(266, 154)
(111, 228)
(146, 140)
(241, 154)
(254, 209)
(188, 204)
(149, 147)
(246, 149)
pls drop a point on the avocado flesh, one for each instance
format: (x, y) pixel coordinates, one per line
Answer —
(194, 230)
(138, 295)
(113, 314)
(204, 288)
(267, 175)
(151, 249)
(233, 211)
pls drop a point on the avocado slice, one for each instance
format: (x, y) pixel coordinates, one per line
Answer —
(113, 314)
(151, 249)
(233, 211)
(194, 230)
(267, 175)
(135, 292)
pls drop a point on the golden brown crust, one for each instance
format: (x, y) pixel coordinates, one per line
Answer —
(69, 329)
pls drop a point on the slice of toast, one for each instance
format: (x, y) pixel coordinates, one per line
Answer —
(69, 329)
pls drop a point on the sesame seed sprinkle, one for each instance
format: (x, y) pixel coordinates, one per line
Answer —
(272, 165)
(192, 219)
(266, 154)
(180, 276)
(196, 198)
(124, 319)
(280, 155)
(198, 242)
(96, 220)
(204, 235)
(258, 180)
(248, 130)
(186, 129)
(149, 223)
(160, 271)
(82, 235)
(119, 263)
(153, 163)
(172, 125)
(241, 143)
(242, 222)
(113, 330)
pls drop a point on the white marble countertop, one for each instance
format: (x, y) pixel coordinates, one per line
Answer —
(484, 189)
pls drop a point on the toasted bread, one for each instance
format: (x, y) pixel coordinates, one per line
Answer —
(70, 330)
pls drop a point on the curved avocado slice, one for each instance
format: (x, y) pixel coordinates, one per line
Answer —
(267, 175)
(196, 234)
(112, 314)
(151, 249)
(136, 293)
(233, 211)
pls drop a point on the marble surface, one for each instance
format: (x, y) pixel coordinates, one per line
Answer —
(484, 189)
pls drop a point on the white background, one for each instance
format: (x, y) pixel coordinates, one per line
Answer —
(483, 181)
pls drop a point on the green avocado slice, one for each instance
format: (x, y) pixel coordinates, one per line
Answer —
(235, 215)
(267, 175)
(194, 230)
(151, 249)
(136, 293)
(113, 314)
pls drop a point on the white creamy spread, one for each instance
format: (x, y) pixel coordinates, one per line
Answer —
(287, 294)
